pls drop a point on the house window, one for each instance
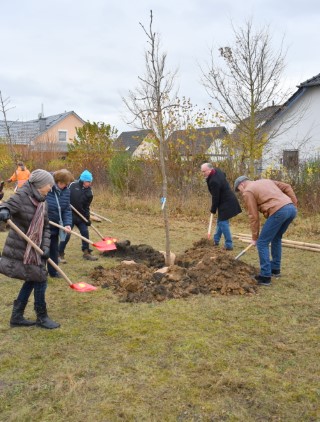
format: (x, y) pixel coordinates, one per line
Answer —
(62, 135)
(291, 159)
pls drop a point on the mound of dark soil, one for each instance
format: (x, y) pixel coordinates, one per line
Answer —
(201, 269)
(141, 254)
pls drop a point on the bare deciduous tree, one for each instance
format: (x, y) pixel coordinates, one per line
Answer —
(247, 84)
(150, 105)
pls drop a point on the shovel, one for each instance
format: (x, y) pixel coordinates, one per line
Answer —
(102, 246)
(244, 251)
(210, 226)
(86, 221)
(100, 216)
(79, 287)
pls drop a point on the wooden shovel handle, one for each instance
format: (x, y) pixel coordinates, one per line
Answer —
(36, 247)
(244, 251)
(210, 226)
(71, 232)
(100, 216)
(86, 220)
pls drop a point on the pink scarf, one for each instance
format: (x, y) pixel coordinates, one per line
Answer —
(35, 231)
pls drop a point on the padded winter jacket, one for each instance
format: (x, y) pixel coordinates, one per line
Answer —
(80, 199)
(63, 197)
(21, 175)
(22, 211)
(223, 198)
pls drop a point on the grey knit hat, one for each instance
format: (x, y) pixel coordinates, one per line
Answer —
(40, 178)
(239, 180)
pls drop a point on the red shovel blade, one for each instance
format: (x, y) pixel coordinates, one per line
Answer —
(83, 287)
(107, 244)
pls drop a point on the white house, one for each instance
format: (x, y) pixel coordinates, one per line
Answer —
(294, 129)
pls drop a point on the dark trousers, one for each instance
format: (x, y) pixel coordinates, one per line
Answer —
(39, 290)
(83, 229)
(54, 253)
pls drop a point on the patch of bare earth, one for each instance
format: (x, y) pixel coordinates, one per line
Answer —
(202, 269)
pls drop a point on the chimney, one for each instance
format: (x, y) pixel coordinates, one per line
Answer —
(42, 123)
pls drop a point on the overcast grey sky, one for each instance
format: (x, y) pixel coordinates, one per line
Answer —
(83, 55)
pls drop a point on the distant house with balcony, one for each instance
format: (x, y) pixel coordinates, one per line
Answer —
(45, 134)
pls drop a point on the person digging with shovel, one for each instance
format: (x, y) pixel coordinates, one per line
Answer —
(223, 200)
(278, 203)
(27, 209)
(81, 196)
(59, 211)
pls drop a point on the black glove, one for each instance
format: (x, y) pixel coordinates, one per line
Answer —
(46, 253)
(88, 223)
(4, 214)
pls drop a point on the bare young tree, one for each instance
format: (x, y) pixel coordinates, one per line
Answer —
(150, 104)
(247, 84)
(4, 105)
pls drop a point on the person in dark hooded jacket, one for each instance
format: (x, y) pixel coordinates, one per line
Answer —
(59, 212)
(223, 200)
(81, 196)
(28, 211)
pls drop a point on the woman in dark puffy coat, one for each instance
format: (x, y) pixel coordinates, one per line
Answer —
(28, 210)
(59, 212)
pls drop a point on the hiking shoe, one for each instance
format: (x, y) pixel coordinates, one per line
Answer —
(61, 260)
(230, 248)
(87, 255)
(263, 281)
(275, 273)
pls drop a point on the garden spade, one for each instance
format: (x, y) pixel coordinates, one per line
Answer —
(106, 239)
(108, 244)
(79, 287)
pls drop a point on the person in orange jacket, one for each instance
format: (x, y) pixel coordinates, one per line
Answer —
(20, 176)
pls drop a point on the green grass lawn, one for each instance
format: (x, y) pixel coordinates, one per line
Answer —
(223, 358)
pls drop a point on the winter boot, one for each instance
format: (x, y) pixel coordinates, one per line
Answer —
(87, 255)
(17, 318)
(43, 320)
(263, 281)
(61, 259)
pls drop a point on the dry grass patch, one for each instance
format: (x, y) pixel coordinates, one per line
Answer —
(243, 358)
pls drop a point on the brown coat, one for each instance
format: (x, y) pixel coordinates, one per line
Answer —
(22, 211)
(266, 196)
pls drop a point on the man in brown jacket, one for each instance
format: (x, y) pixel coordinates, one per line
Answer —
(277, 202)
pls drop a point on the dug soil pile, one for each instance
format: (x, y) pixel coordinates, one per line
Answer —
(202, 269)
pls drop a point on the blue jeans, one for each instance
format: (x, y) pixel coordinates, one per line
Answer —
(39, 290)
(274, 228)
(84, 231)
(223, 228)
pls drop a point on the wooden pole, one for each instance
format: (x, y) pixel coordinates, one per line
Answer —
(289, 242)
(287, 245)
